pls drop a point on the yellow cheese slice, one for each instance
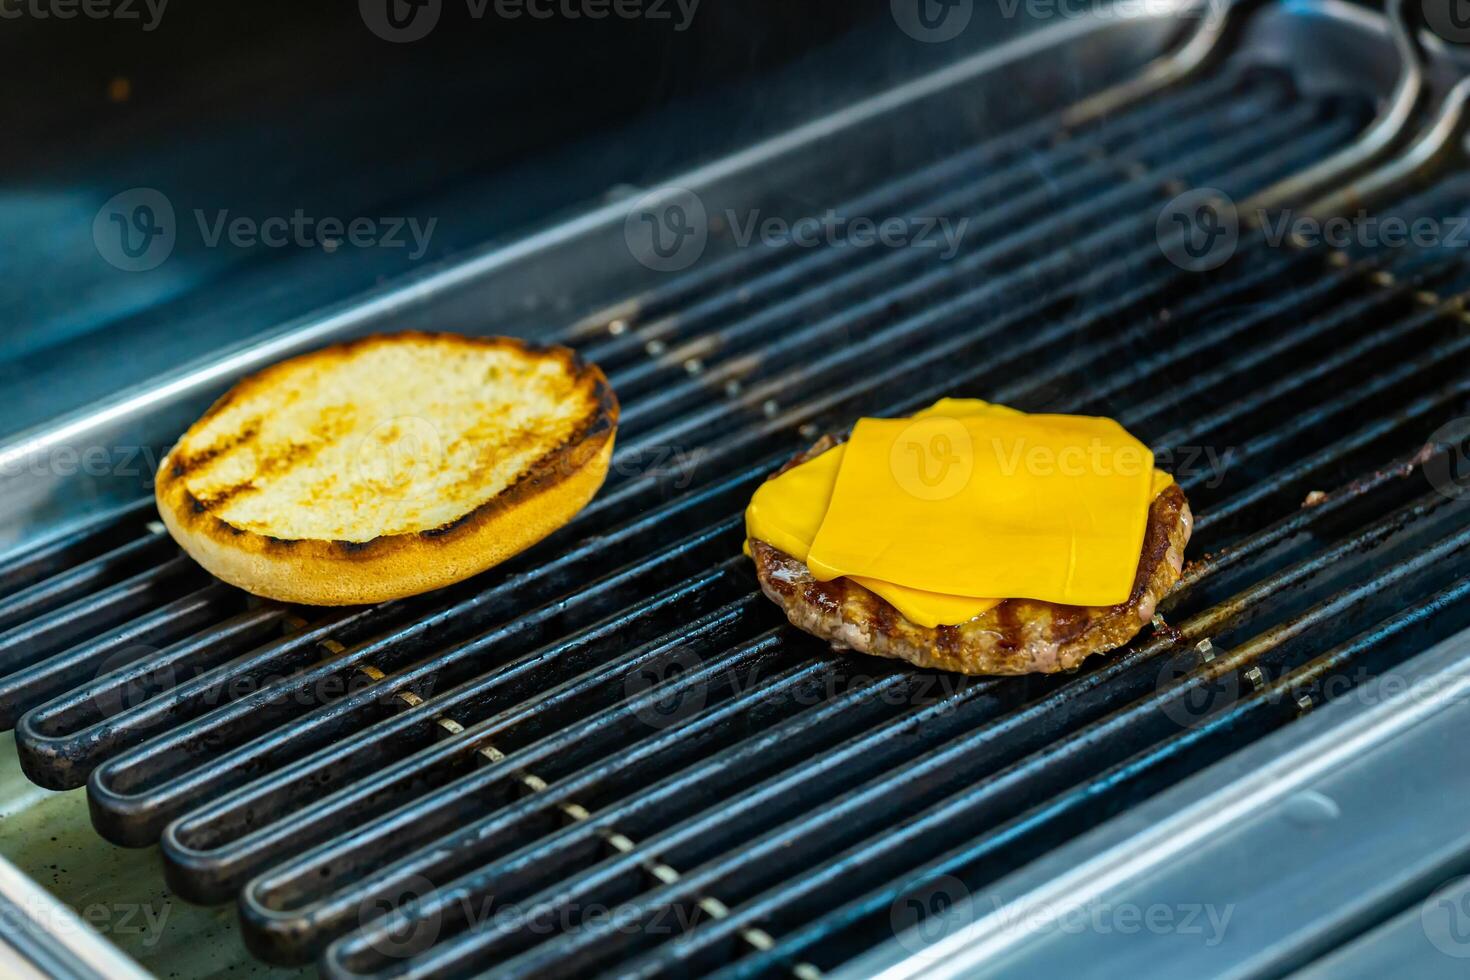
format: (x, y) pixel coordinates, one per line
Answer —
(786, 512)
(1048, 507)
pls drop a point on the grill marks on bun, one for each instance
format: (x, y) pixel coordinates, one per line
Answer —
(388, 466)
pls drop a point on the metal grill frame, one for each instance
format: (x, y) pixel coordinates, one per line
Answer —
(349, 325)
(1269, 825)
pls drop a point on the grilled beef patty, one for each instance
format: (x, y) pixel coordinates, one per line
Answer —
(1019, 636)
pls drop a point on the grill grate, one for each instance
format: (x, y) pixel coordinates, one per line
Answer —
(617, 721)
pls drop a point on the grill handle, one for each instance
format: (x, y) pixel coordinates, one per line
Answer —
(1404, 107)
(1222, 24)
(1441, 147)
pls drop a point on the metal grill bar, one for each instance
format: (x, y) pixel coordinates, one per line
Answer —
(64, 739)
(225, 823)
(1420, 413)
(212, 687)
(1265, 356)
(135, 794)
(653, 798)
(29, 642)
(627, 722)
(1068, 201)
(83, 579)
(137, 639)
(278, 900)
(954, 765)
(74, 548)
(1280, 700)
(692, 304)
(1055, 270)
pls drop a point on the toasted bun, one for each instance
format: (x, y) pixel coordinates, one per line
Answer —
(387, 466)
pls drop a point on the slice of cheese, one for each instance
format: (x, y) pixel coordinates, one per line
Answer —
(1047, 507)
(786, 512)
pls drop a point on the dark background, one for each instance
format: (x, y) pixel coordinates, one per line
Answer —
(492, 126)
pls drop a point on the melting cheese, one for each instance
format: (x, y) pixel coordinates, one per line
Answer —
(1024, 506)
(788, 511)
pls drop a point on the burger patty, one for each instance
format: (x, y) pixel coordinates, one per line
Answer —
(1019, 636)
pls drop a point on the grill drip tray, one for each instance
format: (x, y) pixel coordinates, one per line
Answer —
(117, 891)
(616, 723)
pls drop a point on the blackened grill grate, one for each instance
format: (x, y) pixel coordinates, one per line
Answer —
(616, 721)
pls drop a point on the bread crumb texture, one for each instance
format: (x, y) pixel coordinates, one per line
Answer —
(386, 436)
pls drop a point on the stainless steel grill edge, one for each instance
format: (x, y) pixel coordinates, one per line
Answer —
(609, 754)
